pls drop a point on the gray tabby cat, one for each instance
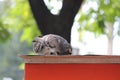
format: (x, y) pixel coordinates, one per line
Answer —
(51, 44)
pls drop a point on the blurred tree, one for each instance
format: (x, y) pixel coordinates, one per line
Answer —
(17, 16)
(55, 24)
(9, 60)
(4, 33)
(16, 25)
(100, 18)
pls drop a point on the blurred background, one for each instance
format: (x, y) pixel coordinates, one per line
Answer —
(95, 30)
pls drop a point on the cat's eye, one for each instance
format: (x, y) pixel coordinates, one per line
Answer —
(42, 47)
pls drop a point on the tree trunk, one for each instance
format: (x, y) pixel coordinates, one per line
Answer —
(110, 39)
(60, 24)
(110, 46)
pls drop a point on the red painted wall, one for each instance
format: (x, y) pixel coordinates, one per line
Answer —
(72, 71)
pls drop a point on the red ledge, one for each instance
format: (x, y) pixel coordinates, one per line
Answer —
(70, 59)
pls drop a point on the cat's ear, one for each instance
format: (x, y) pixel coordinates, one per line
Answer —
(34, 41)
(40, 36)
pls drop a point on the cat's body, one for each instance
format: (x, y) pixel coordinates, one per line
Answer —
(51, 45)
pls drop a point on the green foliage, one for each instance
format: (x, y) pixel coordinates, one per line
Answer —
(95, 20)
(4, 33)
(18, 18)
(24, 20)
(100, 19)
